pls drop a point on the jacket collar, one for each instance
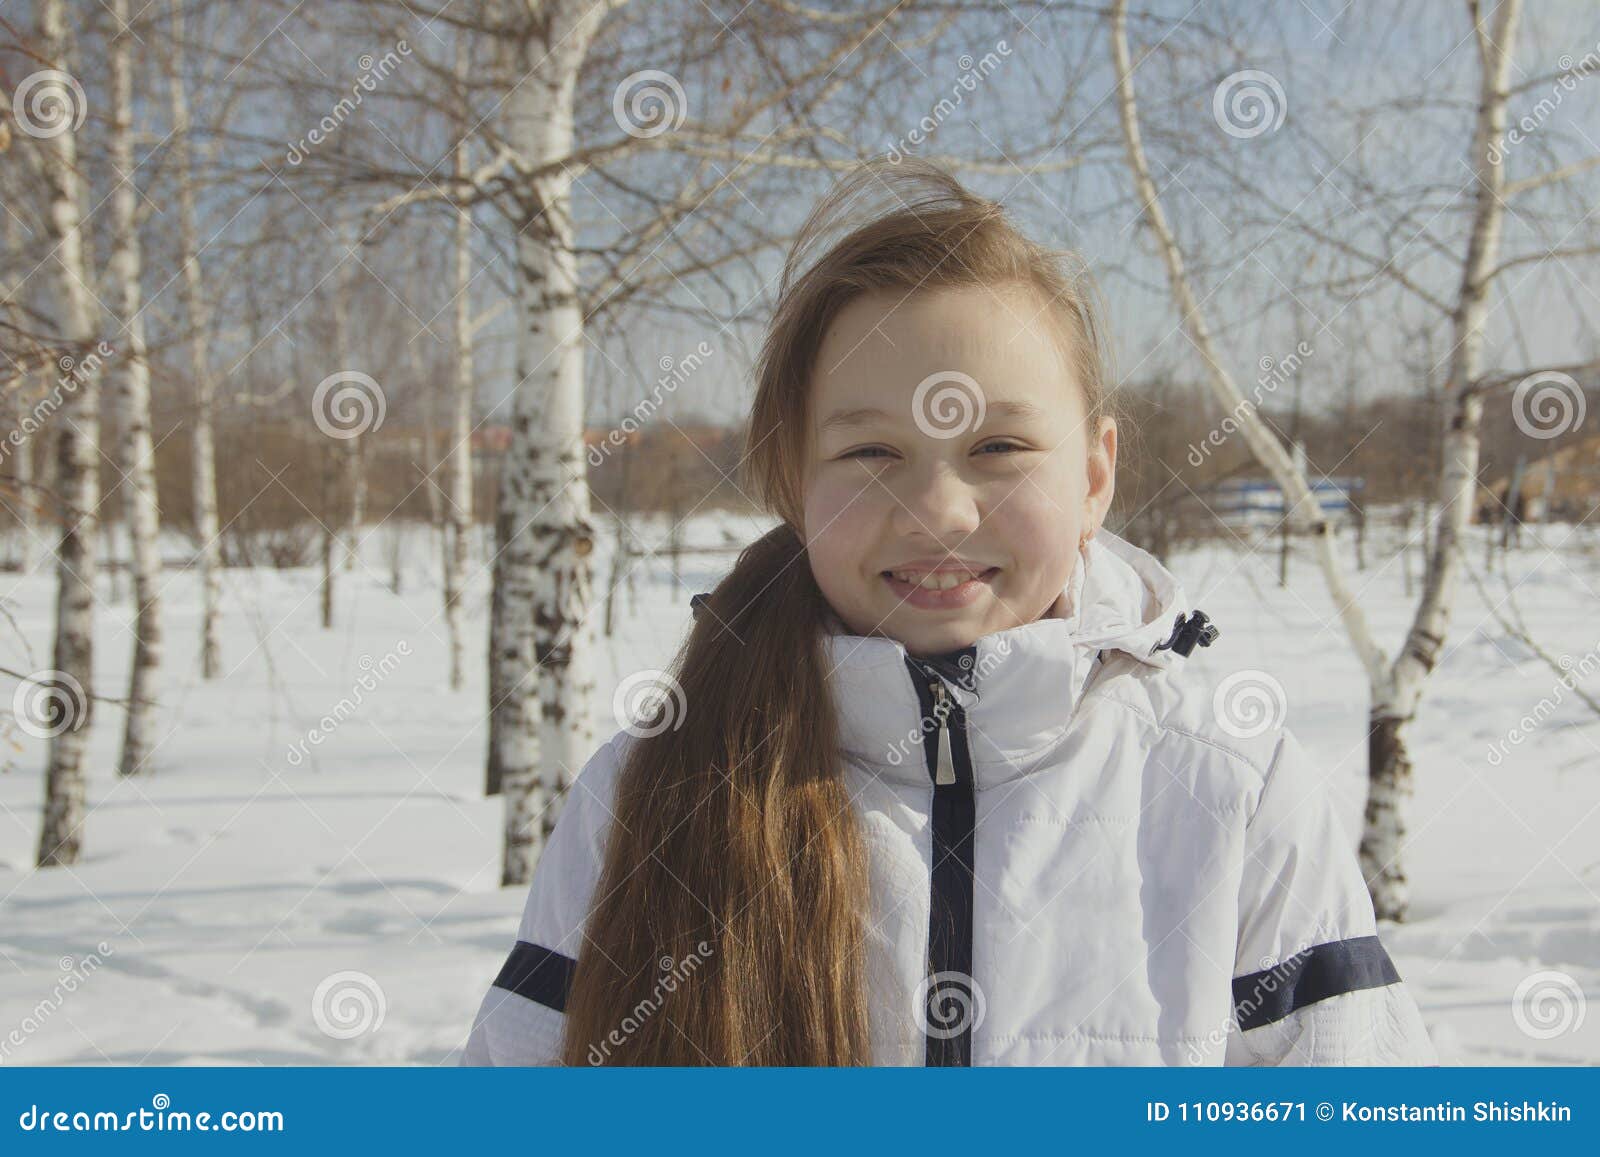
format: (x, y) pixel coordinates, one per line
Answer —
(1021, 685)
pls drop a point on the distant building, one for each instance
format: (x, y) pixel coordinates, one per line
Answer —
(1560, 486)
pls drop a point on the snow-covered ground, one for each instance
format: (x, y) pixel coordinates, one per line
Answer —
(257, 898)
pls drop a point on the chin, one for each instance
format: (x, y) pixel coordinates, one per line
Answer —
(938, 641)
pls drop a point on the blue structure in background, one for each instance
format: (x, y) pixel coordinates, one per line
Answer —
(1254, 499)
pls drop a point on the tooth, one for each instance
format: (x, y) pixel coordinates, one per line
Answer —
(935, 580)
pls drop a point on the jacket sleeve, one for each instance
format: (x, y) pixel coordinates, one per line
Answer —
(521, 1018)
(1312, 984)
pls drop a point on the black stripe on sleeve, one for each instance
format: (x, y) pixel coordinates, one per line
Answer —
(540, 974)
(1321, 971)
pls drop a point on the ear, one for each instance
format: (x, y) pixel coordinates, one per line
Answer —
(1102, 470)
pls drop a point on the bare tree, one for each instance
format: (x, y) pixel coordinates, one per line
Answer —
(1395, 683)
(22, 481)
(131, 385)
(70, 684)
(458, 468)
(202, 417)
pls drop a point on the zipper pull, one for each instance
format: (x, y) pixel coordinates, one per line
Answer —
(945, 775)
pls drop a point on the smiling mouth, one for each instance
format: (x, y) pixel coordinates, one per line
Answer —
(940, 580)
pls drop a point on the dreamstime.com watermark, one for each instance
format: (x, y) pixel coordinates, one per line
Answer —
(48, 103)
(1249, 703)
(372, 71)
(948, 1004)
(348, 1004)
(1274, 372)
(73, 975)
(1574, 672)
(159, 1118)
(971, 672)
(1548, 404)
(1572, 72)
(649, 702)
(49, 703)
(972, 71)
(948, 403)
(674, 374)
(74, 373)
(1548, 1004)
(673, 973)
(347, 404)
(374, 673)
(1249, 103)
(648, 103)
(1272, 974)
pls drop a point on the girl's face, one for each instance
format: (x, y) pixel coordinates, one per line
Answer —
(948, 449)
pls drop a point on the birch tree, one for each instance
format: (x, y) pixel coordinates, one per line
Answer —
(131, 384)
(202, 415)
(70, 684)
(545, 535)
(458, 457)
(1395, 682)
(354, 458)
(23, 372)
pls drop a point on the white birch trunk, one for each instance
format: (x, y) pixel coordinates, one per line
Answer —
(458, 470)
(546, 637)
(1388, 802)
(21, 456)
(131, 381)
(431, 462)
(28, 489)
(337, 466)
(505, 717)
(355, 485)
(77, 443)
(329, 538)
(202, 453)
(354, 458)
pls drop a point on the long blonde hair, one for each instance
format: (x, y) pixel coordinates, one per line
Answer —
(734, 843)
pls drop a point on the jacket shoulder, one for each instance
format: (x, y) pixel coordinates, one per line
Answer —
(576, 851)
(520, 1019)
(1234, 719)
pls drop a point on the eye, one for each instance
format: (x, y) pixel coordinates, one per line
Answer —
(1003, 445)
(862, 451)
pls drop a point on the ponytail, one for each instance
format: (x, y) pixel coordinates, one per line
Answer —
(728, 921)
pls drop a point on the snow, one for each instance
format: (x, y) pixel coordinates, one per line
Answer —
(258, 907)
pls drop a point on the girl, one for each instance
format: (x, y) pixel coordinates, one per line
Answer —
(942, 791)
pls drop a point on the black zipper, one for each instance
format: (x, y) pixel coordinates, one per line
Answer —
(950, 1002)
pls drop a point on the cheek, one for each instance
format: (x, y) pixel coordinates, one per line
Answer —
(839, 514)
(837, 508)
(1040, 532)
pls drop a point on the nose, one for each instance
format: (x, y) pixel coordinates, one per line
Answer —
(936, 503)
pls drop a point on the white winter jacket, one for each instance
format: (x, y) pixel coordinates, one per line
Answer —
(1081, 853)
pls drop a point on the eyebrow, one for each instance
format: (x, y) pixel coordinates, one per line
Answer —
(865, 415)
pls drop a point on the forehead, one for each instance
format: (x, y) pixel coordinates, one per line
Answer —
(882, 345)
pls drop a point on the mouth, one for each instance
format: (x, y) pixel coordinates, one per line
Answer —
(939, 589)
